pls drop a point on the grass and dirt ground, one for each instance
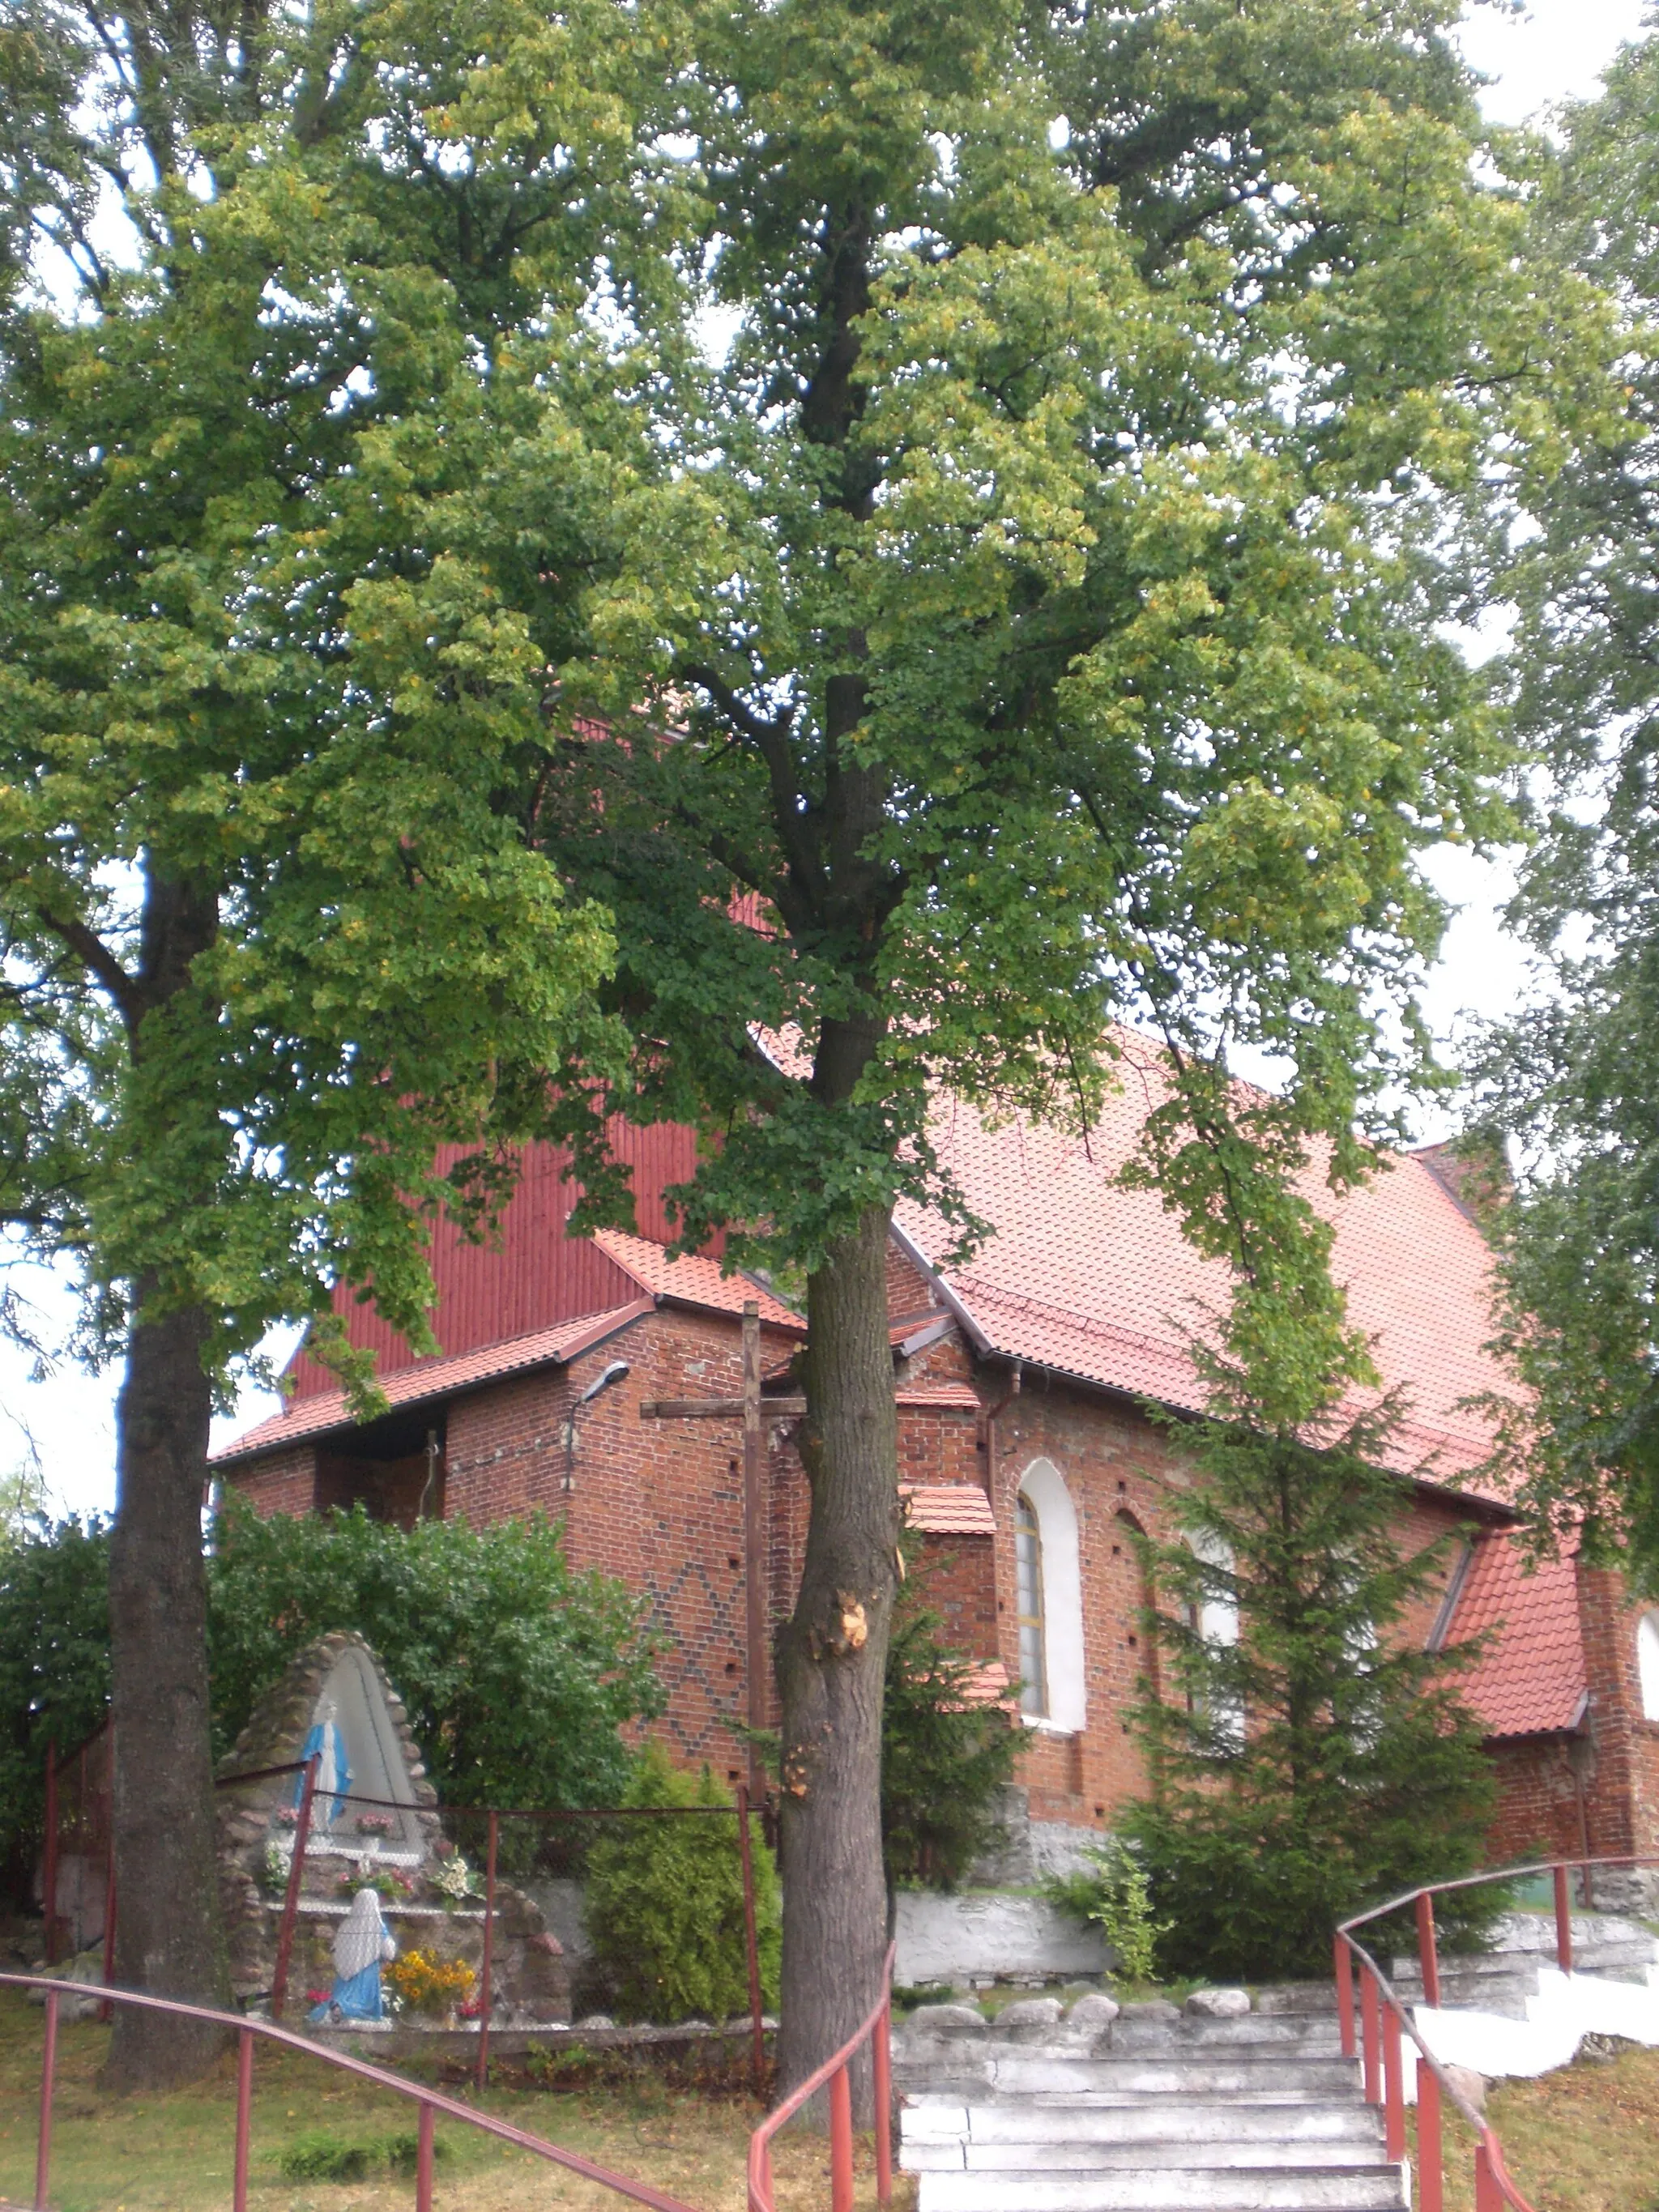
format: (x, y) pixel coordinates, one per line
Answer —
(174, 2153)
(1583, 2139)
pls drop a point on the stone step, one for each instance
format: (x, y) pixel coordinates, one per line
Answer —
(1296, 1998)
(1307, 2033)
(1028, 2158)
(1172, 2189)
(1149, 2120)
(1023, 2073)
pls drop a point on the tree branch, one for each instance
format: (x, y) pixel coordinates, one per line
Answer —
(95, 954)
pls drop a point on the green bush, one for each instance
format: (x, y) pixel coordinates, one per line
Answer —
(944, 1759)
(1113, 1894)
(517, 1672)
(665, 1904)
(54, 1669)
(320, 2156)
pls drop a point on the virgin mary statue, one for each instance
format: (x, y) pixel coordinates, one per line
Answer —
(360, 1946)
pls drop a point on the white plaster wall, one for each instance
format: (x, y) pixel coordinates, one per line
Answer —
(980, 1934)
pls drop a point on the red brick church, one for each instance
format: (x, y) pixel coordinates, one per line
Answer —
(1026, 1459)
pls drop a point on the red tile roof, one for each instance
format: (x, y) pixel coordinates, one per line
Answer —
(1532, 1679)
(1084, 1277)
(989, 1685)
(948, 1509)
(435, 1378)
(693, 1281)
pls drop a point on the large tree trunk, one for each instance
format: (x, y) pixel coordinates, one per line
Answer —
(167, 1929)
(832, 1659)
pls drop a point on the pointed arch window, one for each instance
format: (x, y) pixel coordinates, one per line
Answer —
(1647, 1662)
(1048, 1601)
(1028, 1605)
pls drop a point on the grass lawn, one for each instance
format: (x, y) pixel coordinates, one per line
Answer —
(173, 2154)
(1583, 2139)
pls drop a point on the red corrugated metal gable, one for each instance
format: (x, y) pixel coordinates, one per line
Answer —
(531, 1276)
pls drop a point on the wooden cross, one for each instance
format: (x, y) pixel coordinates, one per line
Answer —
(751, 1409)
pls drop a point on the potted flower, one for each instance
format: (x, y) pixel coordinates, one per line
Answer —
(375, 1824)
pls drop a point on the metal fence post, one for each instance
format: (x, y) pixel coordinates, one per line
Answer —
(291, 1899)
(1344, 1965)
(1371, 2035)
(424, 2159)
(1488, 2197)
(1428, 1951)
(840, 2141)
(48, 2070)
(751, 1944)
(882, 2057)
(1394, 2085)
(1430, 2151)
(244, 2110)
(1564, 1918)
(485, 1993)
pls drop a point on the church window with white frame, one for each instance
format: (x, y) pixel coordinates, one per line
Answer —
(1048, 1601)
(1647, 1664)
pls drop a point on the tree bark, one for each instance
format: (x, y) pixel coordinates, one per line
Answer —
(831, 1659)
(167, 1929)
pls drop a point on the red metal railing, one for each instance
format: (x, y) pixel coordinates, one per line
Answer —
(1384, 2022)
(876, 2030)
(430, 2102)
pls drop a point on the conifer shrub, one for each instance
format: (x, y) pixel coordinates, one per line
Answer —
(1308, 1758)
(664, 1902)
(945, 1758)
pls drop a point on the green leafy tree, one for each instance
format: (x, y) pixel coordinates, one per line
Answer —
(54, 1673)
(946, 1757)
(1575, 1080)
(1310, 1760)
(1023, 602)
(664, 1902)
(271, 930)
(519, 1673)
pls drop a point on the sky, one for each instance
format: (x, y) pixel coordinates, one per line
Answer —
(1551, 52)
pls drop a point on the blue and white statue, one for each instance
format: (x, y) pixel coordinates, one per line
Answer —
(361, 1945)
(333, 1773)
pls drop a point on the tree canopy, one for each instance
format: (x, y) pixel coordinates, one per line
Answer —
(269, 927)
(938, 523)
(1574, 1079)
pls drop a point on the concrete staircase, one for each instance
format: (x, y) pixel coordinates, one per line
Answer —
(1145, 2109)
(1501, 1980)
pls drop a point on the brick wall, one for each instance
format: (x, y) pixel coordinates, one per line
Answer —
(280, 1482)
(1115, 1466)
(1539, 1811)
(660, 1505)
(956, 1576)
(1622, 1788)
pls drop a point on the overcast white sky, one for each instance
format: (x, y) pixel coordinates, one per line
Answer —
(1553, 50)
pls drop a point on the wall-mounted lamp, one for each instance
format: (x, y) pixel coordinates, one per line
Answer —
(603, 1380)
